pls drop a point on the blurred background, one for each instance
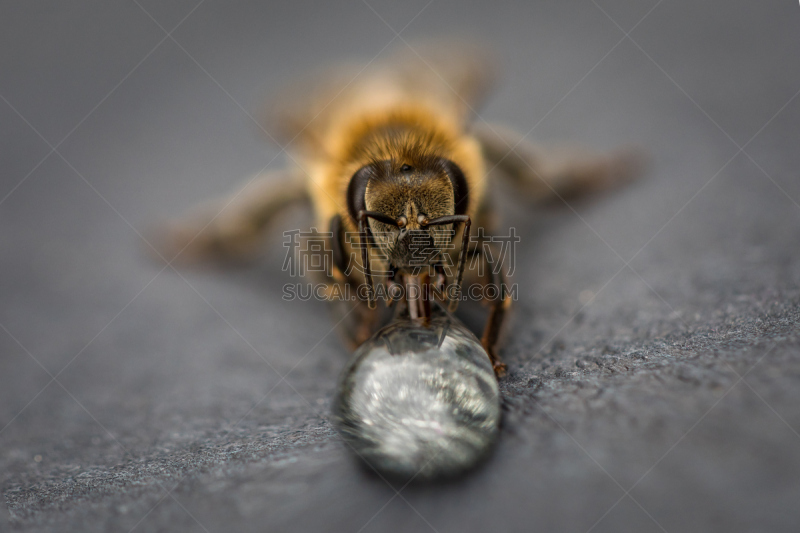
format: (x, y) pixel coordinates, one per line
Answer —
(653, 370)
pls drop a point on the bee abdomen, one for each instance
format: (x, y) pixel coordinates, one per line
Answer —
(419, 402)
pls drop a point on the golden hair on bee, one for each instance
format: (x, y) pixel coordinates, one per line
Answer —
(408, 134)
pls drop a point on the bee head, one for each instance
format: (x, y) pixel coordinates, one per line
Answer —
(408, 196)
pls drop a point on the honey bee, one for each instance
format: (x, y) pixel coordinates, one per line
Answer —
(392, 155)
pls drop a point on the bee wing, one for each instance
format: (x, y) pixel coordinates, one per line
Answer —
(303, 108)
(451, 76)
(546, 173)
(454, 72)
(229, 230)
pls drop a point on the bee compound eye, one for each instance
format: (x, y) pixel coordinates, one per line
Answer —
(402, 222)
(422, 220)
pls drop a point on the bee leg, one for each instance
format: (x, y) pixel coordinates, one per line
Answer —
(494, 324)
(356, 321)
(499, 305)
(231, 229)
(560, 172)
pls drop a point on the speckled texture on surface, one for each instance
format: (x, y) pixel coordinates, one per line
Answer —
(653, 361)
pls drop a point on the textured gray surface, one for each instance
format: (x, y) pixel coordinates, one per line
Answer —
(627, 414)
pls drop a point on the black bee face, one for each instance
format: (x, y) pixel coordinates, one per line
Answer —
(410, 197)
(411, 244)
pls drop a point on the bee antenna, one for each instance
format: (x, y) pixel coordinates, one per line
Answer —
(364, 238)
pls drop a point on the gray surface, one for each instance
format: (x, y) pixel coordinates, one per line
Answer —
(165, 381)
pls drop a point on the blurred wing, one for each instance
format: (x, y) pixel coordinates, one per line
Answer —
(453, 76)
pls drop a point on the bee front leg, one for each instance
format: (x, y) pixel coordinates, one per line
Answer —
(356, 321)
(557, 172)
(230, 229)
(494, 324)
(499, 306)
